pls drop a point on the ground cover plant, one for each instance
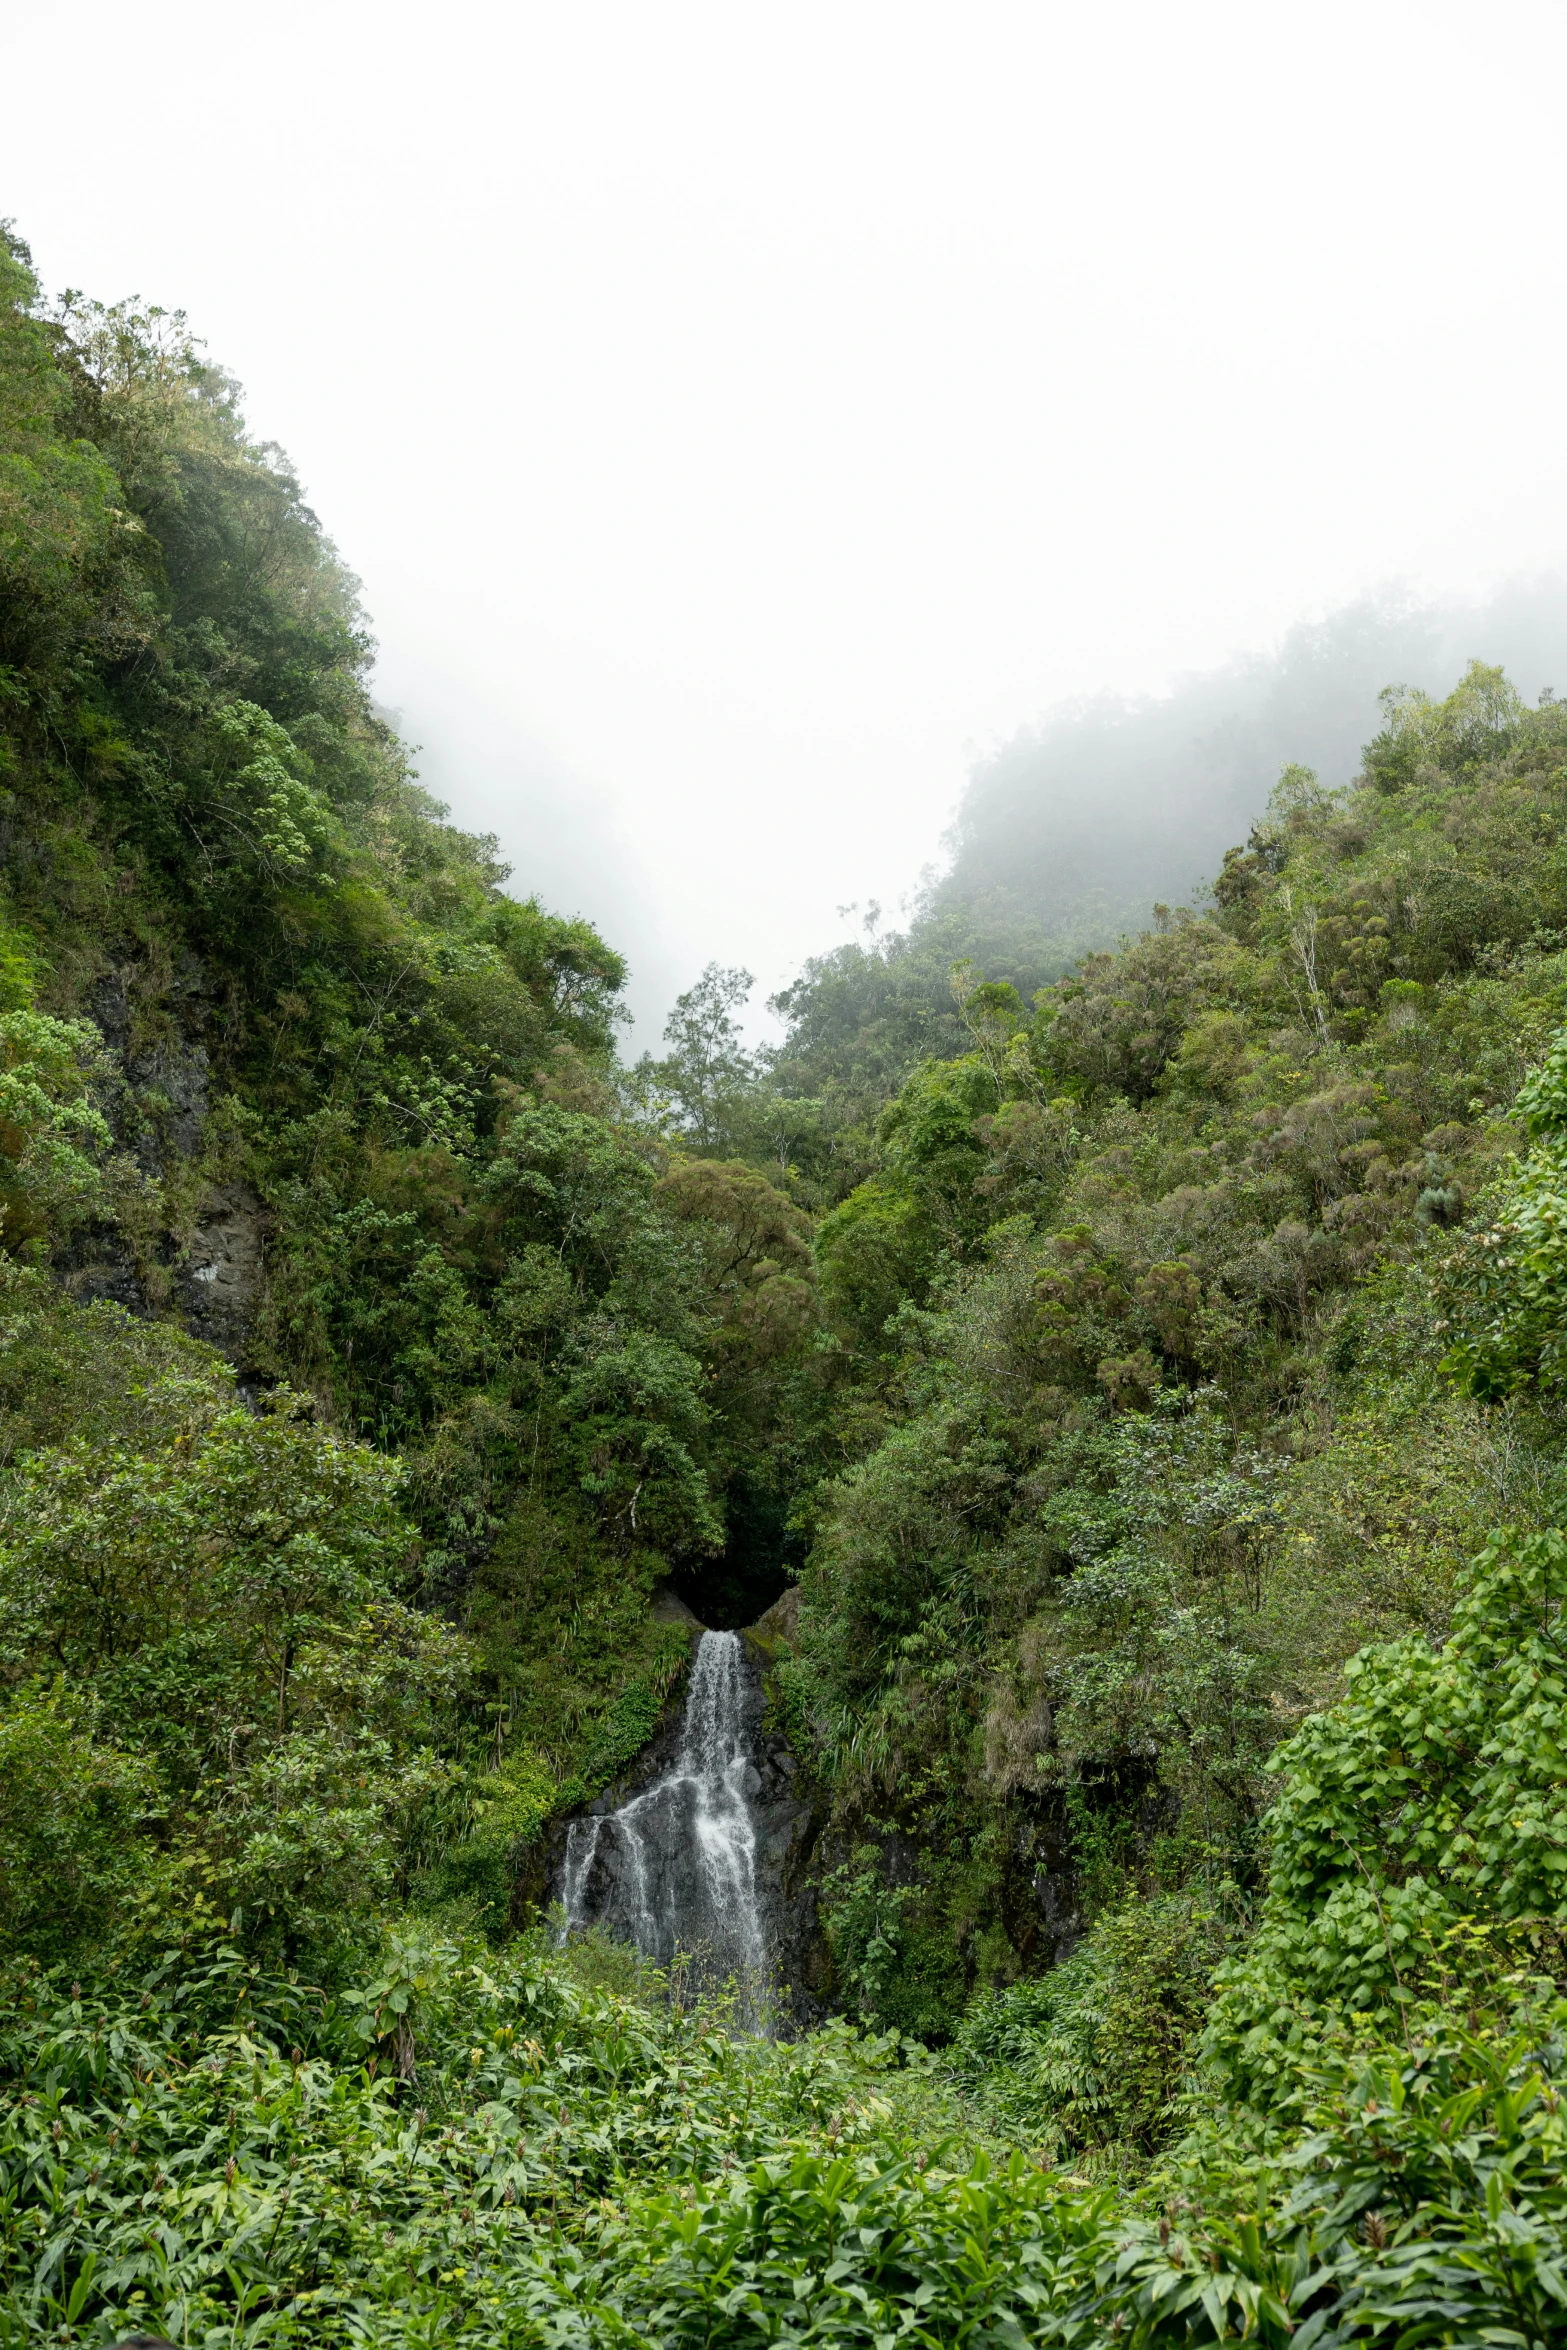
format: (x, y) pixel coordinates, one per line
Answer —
(495, 2152)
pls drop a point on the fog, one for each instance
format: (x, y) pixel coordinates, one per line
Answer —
(1069, 833)
(744, 420)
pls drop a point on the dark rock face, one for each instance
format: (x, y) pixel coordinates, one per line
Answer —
(791, 1814)
(219, 1283)
(1042, 1893)
(98, 1262)
(157, 1099)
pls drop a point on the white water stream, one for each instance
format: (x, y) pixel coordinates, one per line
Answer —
(674, 1869)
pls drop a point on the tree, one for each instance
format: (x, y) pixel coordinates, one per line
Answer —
(187, 1582)
(709, 1066)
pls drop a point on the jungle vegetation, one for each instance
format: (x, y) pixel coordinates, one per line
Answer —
(1149, 1362)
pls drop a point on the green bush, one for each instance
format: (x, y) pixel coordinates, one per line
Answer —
(893, 1959)
(1506, 1282)
(74, 1815)
(486, 2152)
(1430, 1801)
(1093, 2056)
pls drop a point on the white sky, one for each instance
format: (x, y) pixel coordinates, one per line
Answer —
(739, 413)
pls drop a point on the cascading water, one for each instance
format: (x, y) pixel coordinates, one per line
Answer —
(674, 1869)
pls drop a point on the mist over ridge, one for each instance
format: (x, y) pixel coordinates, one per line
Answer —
(1069, 833)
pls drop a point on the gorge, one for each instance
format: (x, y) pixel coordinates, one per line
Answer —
(1139, 1410)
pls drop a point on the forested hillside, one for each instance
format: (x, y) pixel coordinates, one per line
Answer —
(1067, 834)
(1154, 1385)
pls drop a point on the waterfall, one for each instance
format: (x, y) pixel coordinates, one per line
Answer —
(674, 1869)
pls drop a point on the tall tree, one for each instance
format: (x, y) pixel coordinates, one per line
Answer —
(708, 1066)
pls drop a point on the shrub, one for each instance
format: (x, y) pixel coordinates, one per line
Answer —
(1433, 1794)
(1093, 2055)
(73, 1811)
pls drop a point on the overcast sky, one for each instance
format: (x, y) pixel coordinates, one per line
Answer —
(740, 414)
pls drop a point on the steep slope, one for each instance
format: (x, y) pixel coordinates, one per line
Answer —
(1176, 1385)
(289, 1071)
(1069, 834)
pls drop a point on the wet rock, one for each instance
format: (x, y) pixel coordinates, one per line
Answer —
(158, 1097)
(98, 1262)
(779, 1628)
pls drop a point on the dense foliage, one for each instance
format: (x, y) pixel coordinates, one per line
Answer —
(246, 962)
(1152, 1377)
(1198, 1323)
(498, 2151)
